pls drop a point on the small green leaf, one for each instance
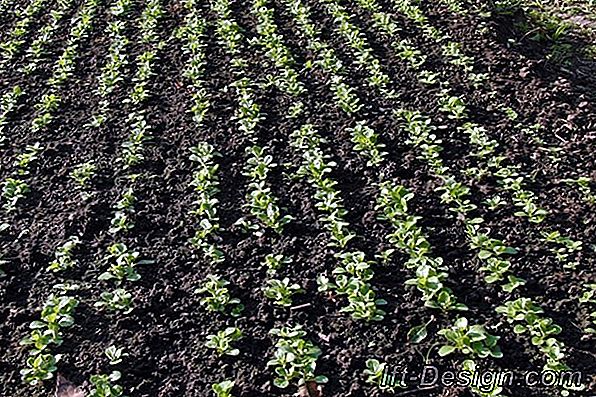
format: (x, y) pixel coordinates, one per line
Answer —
(445, 350)
(418, 334)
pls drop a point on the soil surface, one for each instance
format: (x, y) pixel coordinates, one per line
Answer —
(164, 335)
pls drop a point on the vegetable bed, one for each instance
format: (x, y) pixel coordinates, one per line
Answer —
(297, 197)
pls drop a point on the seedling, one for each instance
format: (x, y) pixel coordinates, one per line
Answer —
(115, 354)
(64, 256)
(281, 291)
(123, 263)
(13, 190)
(218, 297)
(83, 173)
(223, 389)
(275, 262)
(295, 359)
(565, 250)
(27, 157)
(103, 385)
(583, 184)
(222, 341)
(376, 375)
(118, 300)
(365, 140)
(40, 367)
(469, 340)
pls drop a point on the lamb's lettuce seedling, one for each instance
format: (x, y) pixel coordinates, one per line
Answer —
(470, 340)
(64, 255)
(216, 296)
(281, 291)
(13, 190)
(295, 359)
(223, 389)
(376, 375)
(118, 300)
(82, 174)
(222, 341)
(115, 354)
(104, 385)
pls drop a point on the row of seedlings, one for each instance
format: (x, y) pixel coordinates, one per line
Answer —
(295, 358)
(15, 187)
(260, 200)
(215, 293)
(280, 291)
(47, 333)
(18, 35)
(290, 340)
(205, 183)
(116, 61)
(119, 300)
(122, 260)
(454, 54)
(34, 57)
(58, 310)
(409, 238)
(111, 75)
(490, 251)
(8, 103)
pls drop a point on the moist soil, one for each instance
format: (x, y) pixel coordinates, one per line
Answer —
(164, 335)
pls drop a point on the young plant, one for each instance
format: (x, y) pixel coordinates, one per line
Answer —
(64, 255)
(103, 385)
(583, 184)
(281, 291)
(469, 340)
(8, 103)
(40, 367)
(118, 300)
(376, 375)
(218, 297)
(27, 157)
(115, 354)
(13, 190)
(223, 389)
(122, 264)
(275, 262)
(565, 250)
(352, 279)
(366, 141)
(222, 341)
(295, 359)
(454, 106)
(83, 173)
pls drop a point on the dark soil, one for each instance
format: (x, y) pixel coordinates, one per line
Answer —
(165, 333)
